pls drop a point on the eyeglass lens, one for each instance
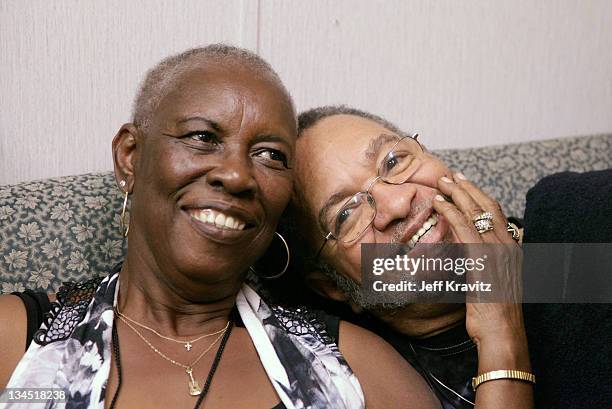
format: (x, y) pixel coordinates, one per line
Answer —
(359, 211)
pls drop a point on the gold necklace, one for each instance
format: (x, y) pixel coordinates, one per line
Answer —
(194, 387)
(186, 344)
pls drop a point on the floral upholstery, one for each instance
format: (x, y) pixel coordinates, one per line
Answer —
(57, 230)
(67, 229)
(507, 172)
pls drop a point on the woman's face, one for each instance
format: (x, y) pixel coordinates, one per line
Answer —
(212, 174)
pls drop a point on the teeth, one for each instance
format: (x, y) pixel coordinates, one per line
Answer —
(219, 219)
(201, 216)
(429, 223)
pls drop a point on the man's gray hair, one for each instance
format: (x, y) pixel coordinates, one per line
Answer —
(311, 117)
(160, 79)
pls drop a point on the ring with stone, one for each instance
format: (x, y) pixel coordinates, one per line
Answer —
(483, 216)
(483, 222)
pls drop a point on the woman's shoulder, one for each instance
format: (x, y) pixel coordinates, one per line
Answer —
(21, 314)
(13, 328)
(386, 378)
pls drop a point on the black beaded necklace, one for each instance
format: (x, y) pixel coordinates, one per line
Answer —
(211, 373)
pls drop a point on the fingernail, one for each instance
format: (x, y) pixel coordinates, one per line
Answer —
(445, 179)
(440, 198)
(460, 175)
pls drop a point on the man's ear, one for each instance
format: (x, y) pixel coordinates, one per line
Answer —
(124, 155)
(321, 284)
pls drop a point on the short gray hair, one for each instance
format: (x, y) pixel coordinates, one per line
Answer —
(160, 79)
(311, 117)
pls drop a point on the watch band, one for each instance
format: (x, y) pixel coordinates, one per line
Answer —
(503, 374)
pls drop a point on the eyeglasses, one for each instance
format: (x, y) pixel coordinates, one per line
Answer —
(357, 213)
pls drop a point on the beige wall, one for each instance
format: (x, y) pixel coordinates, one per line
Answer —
(463, 73)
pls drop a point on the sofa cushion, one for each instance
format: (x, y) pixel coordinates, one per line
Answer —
(507, 172)
(58, 230)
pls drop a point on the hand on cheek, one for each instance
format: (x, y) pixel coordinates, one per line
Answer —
(470, 201)
(463, 231)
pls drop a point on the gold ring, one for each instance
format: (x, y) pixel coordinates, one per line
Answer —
(483, 222)
(483, 226)
(483, 216)
(516, 232)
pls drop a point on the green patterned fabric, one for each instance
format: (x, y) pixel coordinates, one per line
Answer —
(67, 229)
(507, 172)
(56, 230)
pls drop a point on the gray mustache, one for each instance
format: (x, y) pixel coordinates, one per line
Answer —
(400, 228)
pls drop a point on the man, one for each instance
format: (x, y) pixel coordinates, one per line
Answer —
(340, 151)
(569, 342)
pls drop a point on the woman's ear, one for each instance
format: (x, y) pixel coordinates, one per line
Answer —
(124, 155)
(321, 284)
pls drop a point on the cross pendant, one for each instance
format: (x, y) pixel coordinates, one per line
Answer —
(188, 346)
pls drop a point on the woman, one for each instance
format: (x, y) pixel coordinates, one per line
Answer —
(207, 162)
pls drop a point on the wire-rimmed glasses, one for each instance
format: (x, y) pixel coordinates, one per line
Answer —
(359, 211)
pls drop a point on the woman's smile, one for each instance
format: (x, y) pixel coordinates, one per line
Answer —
(222, 222)
(219, 219)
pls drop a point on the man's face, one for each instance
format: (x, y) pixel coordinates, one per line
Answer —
(339, 157)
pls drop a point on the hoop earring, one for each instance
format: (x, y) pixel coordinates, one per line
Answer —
(277, 275)
(124, 230)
